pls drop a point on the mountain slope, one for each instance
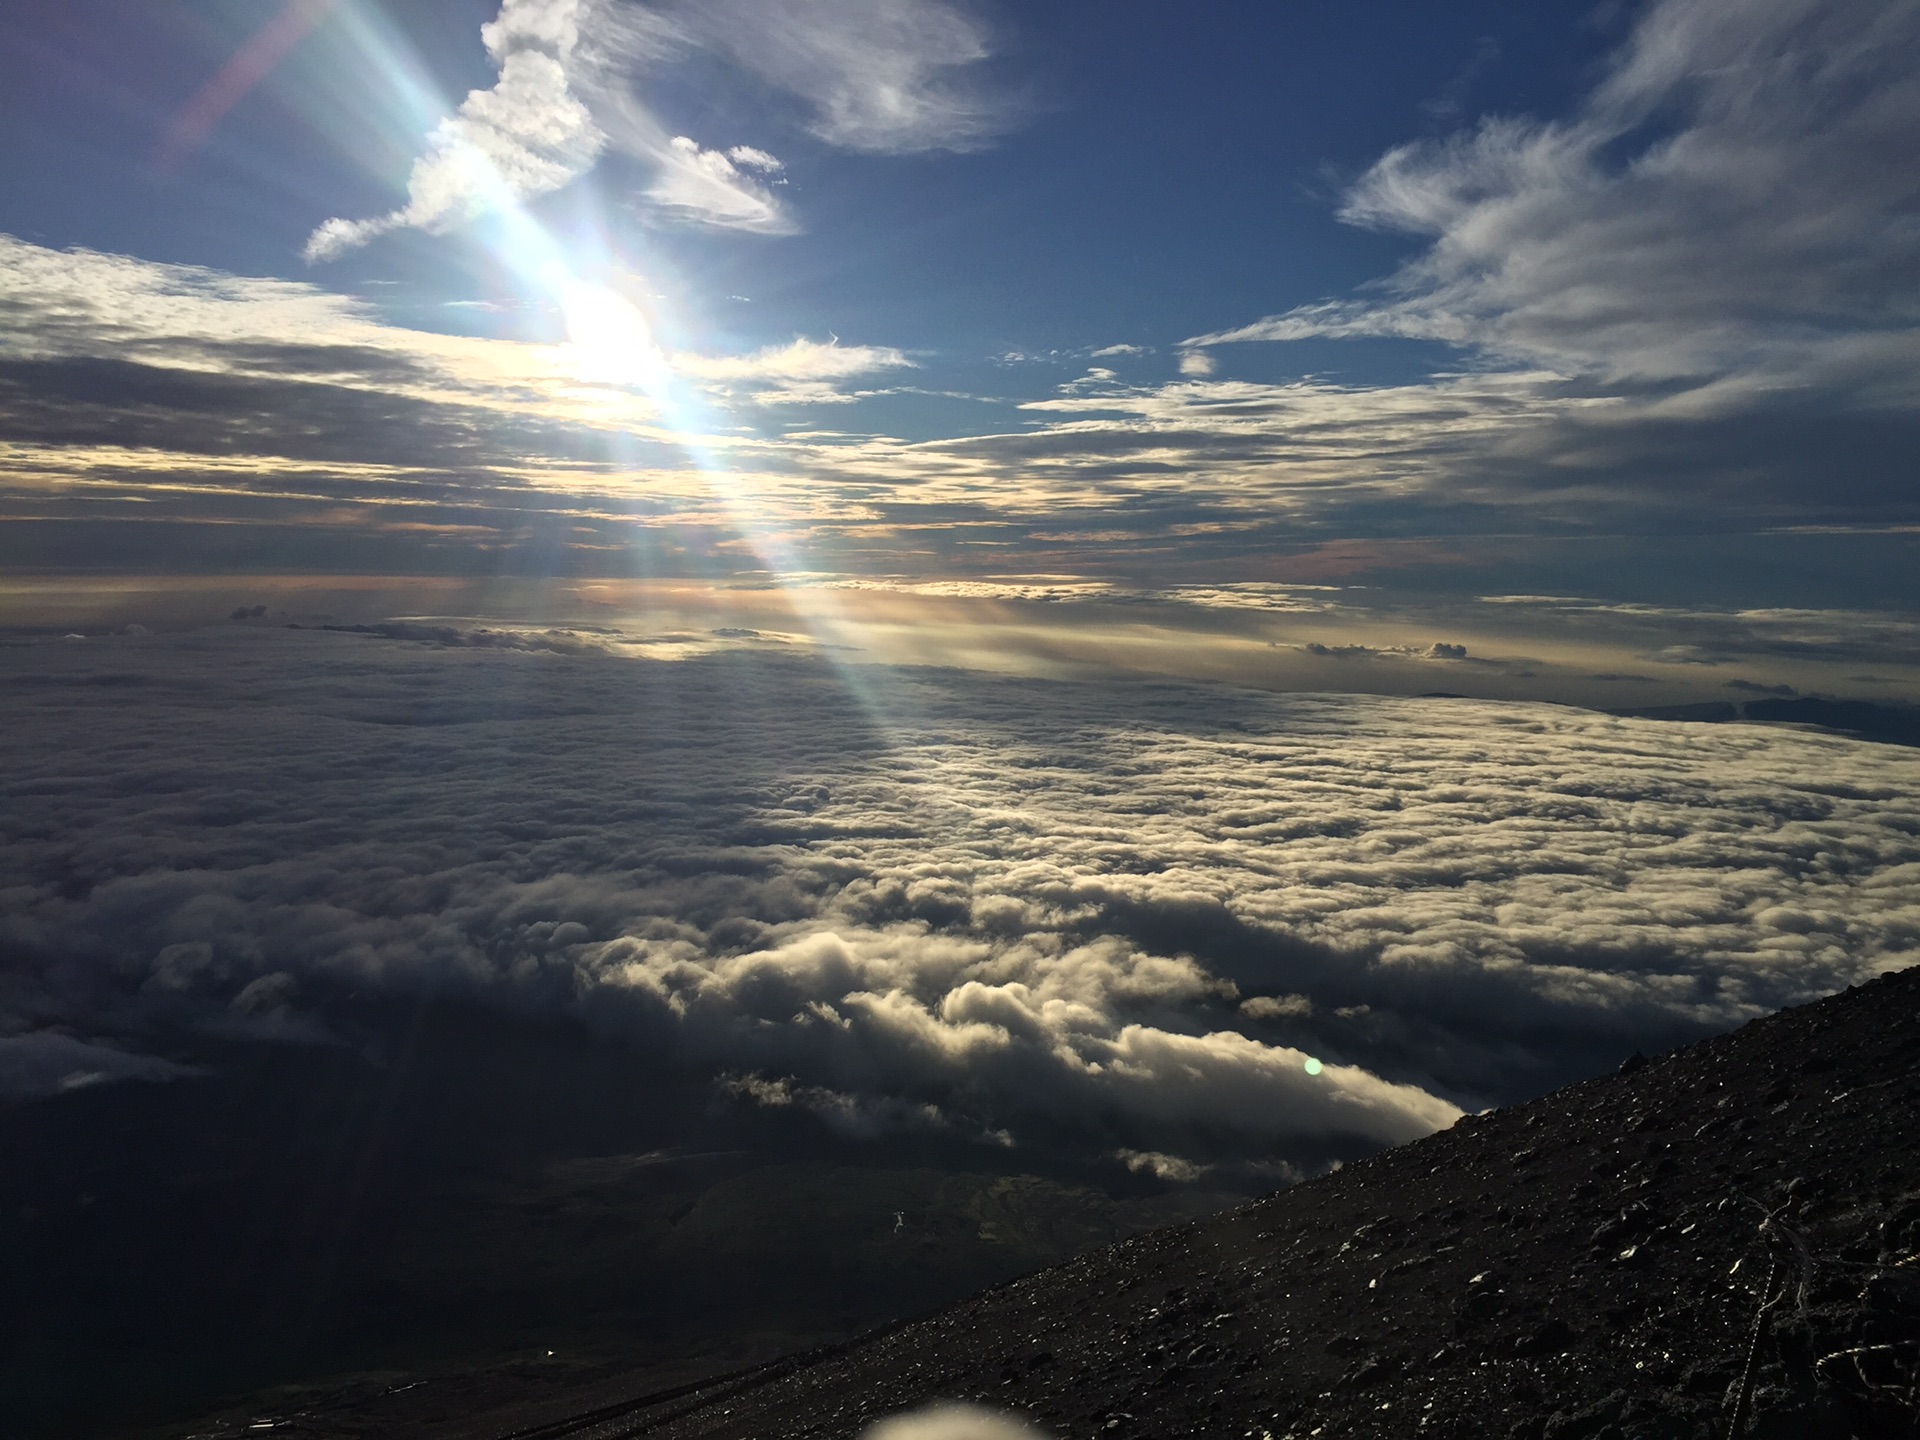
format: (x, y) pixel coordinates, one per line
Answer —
(1604, 1261)
(1722, 1240)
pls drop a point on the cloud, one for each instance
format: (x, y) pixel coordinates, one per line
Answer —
(172, 415)
(884, 76)
(1276, 1007)
(1197, 363)
(1090, 917)
(1106, 350)
(527, 135)
(1725, 221)
(1162, 1167)
(46, 1062)
(1438, 650)
(166, 349)
(803, 370)
(1450, 102)
(725, 189)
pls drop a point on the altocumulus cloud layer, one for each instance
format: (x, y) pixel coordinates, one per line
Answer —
(1120, 918)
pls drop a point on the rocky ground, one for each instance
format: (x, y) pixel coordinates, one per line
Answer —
(485, 1213)
(1721, 1241)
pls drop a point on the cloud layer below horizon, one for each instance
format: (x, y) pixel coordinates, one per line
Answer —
(1118, 919)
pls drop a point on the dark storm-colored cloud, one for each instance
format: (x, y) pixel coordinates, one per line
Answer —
(47, 1062)
(1118, 917)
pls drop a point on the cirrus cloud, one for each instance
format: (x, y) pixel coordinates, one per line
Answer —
(1727, 217)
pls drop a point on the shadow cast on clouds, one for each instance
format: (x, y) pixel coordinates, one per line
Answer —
(1117, 918)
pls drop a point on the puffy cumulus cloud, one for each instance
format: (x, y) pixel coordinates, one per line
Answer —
(886, 76)
(1725, 226)
(1195, 923)
(565, 94)
(526, 135)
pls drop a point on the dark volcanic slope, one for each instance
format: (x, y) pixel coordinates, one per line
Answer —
(1735, 1226)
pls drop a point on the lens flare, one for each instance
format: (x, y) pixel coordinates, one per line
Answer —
(251, 64)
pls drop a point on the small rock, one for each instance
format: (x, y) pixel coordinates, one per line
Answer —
(1483, 1305)
(1367, 1372)
(1553, 1337)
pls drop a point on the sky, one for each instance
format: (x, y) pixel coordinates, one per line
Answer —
(1047, 575)
(1575, 341)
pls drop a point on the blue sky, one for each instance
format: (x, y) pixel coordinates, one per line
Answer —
(1153, 171)
(1533, 328)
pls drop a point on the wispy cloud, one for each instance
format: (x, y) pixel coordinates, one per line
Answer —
(68, 305)
(885, 76)
(1725, 222)
(804, 371)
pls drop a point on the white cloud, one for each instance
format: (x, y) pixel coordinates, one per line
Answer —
(1728, 216)
(1119, 917)
(749, 158)
(62, 305)
(802, 359)
(1108, 350)
(889, 76)
(1197, 363)
(709, 186)
(802, 372)
(527, 135)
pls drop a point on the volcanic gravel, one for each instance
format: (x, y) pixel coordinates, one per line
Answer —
(1723, 1241)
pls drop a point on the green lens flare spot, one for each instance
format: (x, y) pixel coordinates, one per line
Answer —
(1313, 1066)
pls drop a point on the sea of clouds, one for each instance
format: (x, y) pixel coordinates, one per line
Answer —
(1120, 917)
